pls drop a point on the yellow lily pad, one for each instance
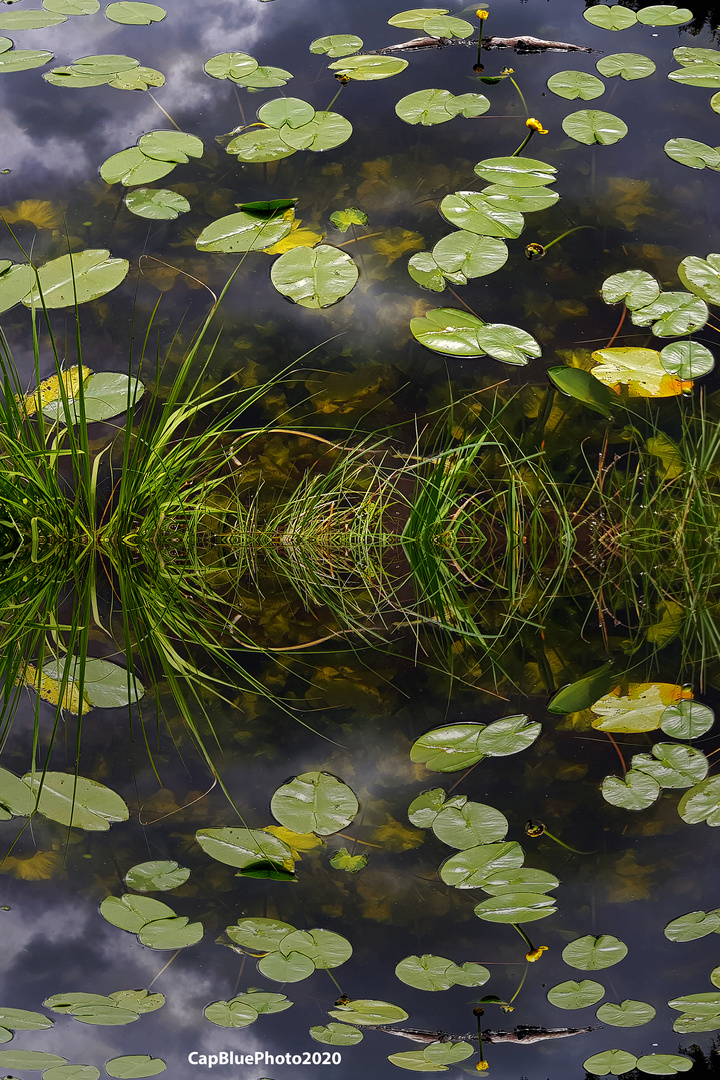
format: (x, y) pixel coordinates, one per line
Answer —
(640, 370)
(640, 709)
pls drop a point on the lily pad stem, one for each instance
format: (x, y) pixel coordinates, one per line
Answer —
(520, 94)
(335, 98)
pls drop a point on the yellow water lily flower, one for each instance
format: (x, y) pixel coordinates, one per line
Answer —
(535, 954)
(482, 14)
(482, 1066)
(535, 125)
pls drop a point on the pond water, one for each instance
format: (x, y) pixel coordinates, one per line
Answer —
(389, 556)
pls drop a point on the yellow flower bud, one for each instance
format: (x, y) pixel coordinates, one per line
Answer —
(482, 1066)
(535, 125)
(535, 954)
(482, 14)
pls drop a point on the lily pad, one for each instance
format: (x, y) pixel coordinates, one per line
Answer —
(368, 68)
(292, 111)
(259, 935)
(428, 107)
(702, 803)
(132, 167)
(158, 875)
(243, 847)
(106, 685)
(337, 1035)
(446, 26)
(614, 1062)
(351, 864)
(516, 172)
(30, 20)
(133, 1066)
(576, 84)
(344, 219)
(583, 386)
(336, 45)
(72, 1072)
(525, 200)
(314, 802)
(590, 126)
(576, 995)
(24, 1020)
(449, 748)
(470, 825)
(33, 1060)
(175, 146)
(325, 131)
(468, 253)
(628, 1013)
(243, 232)
(23, 59)
(263, 78)
(470, 210)
(702, 277)
(72, 7)
(694, 154)
(664, 15)
(415, 18)
(636, 287)
(673, 765)
(230, 1014)
(16, 799)
(175, 933)
(697, 75)
(664, 1064)
(469, 869)
(231, 65)
(133, 13)
(426, 972)
(139, 78)
(368, 1011)
(314, 277)
(629, 66)
(325, 949)
(610, 17)
(636, 791)
(512, 734)
(76, 801)
(641, 370)
(591, 953)
(158, 204)
(132, 913)
(523, 880)
(687, 719)
(260, 144)
(294, 967)
(693, 926)
(673, 314)
(517, 907)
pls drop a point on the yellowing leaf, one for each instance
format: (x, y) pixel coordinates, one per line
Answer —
(49, 690)
(397, 837)
(663, 447)
(638, 369)
(38, 212)
(396, 242)
(297, 842)
(297, 237)
(38, 867)
(640, 709)
(49, 389)
(670, 622)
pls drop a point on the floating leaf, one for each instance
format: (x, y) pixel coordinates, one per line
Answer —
(68, 1003)
(132, 1066)
(576, 995)
(702, 276)
(446, 26)
(259, 935)
(428, 107)
(676, 313)
(689, 1022)
(76, 801)
(687, 359)
(511, 735)
(132, 913)
(636, 791)
(351, 864)
(159, 204)
(673, 765)
(230, 1014)
(696, 155)
(427, 972)
(591, 953)
(30, 20)
(292, 111)
(581, 385)
(516, 172)
(314, 277)
(34, 1060)
(325, 949)
(23, 59)
(523, 880)
(132, 167)
(449, 748)
(133, 13)
(509, 344)
(337, 45)
(16, 799)
(470, 869)
(368, 68)
(243, 232)
(367, 1011)
(415, 18)
(610, 17)
(629, 66)
(693, 926)
(664, 1064)
(641, 370)
(157, 875)
(697, 75)
(231, 65)
(664, 15)
(72, 1072)
(525, 200)
(516, 907)
(314, 802)
(324, 132)
(105, 684)
(72, 7)
(576, 84)
(636, 287)
(687, 720)
(344, 219)
(470, 825)
(294, 967)
(423, 269)
(243, 847)
(615, 1062)
(262, 78)
(24, 1020)
(627, 1014)
(467, 253)
(471, 211)
(593, 126)
(702, 803)
(175, 146)
(104, 1015)
(140, 1001)
(337, 1035)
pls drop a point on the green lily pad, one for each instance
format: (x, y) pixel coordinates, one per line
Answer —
(73, 79)
(636, 791)
(700, 1004)
(664, 1064)
(243, 232)
(132, 13)
(689, 1022)
(470, 825)
(467, 253)
(415, 18)
(702, 803)
(591, 953)
(516, 172)
(673, 765)
(23, 59)
(664, 15)
(105, 684)
(337, 1035)
(24, 1020)
(452, 747)
(423, 269)
(512, 734)
(104, 1015)
(72, 7)
(76, 801)
(693, 926)
(576, 995)
(590, 126)
(30, 20)
(324, 948)
(471, 211)
(158, 204)
(16, 799)
(576, 84)
(673, 314)
(368, 68)
(702, 277)
(470, 869)
(33, 1060)
(68, 1003)
(423, 810)
(351, 864)
(344, 219)
(583, 386)
(294, 967)
(72, 1072)
(263, 78)
(260, 144)
(426, 972)
(687, 719)
(368, 1011)
(140, 1001)
(525, 200)
(231, 65)
(615, 1062)
(688, 55)
(447, 1053)
(105, 63)
(446, 26)
(336, 45)
(132, 913)
(325, 131)
(157, 875)
(415, 1061)
(627, 1014)
(132, 167)
(133, 1066)
(629, 66)
(314, 277)
(175, 933)
(516, 907)
(230, 1014)
(290, 111)
(243, 847)
(697, 75)
(610, 17)
(636, 287)
(265, 1002)
(694, 154)
(175, 146)
(314, 802)
(523, 880)
(428, 107)
(139, 78)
